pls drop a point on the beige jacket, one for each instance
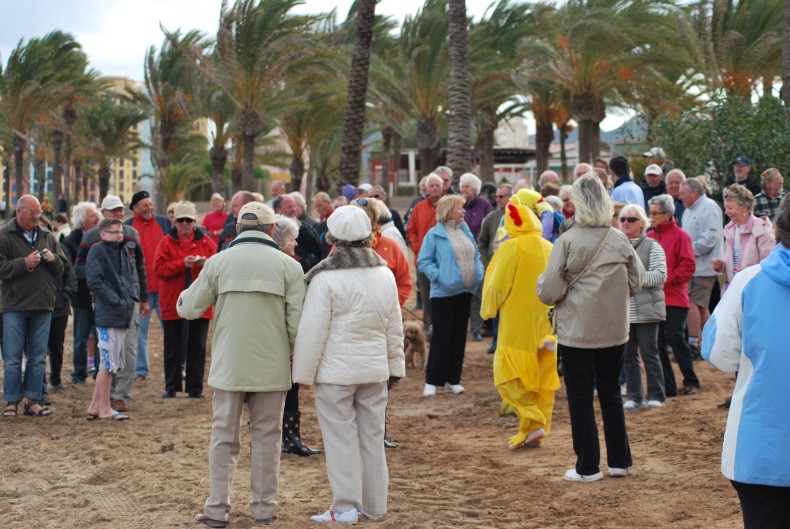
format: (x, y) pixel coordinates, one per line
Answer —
(594, 313)
(258, 293)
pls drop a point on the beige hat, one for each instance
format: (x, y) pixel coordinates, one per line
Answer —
(349, 223)
(111, 202)
(185, 210)
(264, 214)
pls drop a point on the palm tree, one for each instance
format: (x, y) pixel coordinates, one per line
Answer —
(112, 134)
(459, 155)
(354, 123)
(179, 178)
(786, 58)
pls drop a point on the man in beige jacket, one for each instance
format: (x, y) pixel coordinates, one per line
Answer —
(258, 292)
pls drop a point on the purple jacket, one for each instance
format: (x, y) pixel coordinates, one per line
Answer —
(476, 211)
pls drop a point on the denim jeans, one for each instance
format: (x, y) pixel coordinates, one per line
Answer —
(142, 367)
(28, 332)
(82, 324)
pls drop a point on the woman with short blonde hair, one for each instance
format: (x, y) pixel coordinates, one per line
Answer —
(447, 206)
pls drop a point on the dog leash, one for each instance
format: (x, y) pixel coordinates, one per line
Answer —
(418, 318)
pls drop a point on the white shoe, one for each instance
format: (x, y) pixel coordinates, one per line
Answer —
(618, 472)
(655, 404)
(350, 516)
(429, 391)
(572, 475)
(631, 405)
(623, 390)
(455, 388)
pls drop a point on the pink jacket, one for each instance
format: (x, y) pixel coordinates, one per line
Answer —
(757, 241)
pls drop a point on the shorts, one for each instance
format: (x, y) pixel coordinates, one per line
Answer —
(110, 344)
(700, 288)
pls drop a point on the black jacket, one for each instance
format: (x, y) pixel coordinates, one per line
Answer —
(112, 278)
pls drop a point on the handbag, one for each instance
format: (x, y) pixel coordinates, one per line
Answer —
(553, 313)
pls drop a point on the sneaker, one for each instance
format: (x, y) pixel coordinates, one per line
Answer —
(429, 391)
(631, 405)
(350, 516)
(455, 388)
(623, 390)
(572, 475)
(205, 520)
(688, 390)
(477, 337)
(654, 404)
(618, 472)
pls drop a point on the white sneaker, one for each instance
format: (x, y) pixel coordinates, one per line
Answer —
(455, 388)
(350, 516)
(572, 475)
(429, 391)
(623, 390)
(631, 405)
(618, 472)
(655, 404)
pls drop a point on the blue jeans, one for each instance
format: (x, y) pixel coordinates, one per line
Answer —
(28, 332)
(82, 324)
(142, 367)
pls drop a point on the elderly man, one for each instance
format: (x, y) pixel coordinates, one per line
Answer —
(84, 217)
(547, 177)
(229, 231)
(379, 193)
(121, 391)
(702, 221)
(766, 203)
(257, 313)
(741, 167)
(423, 218)
(301, 209)
(581, 170)
(30, 257)
(625, 190)
(322, 205)
(653, 184)
(308, 247)
(151, 229)
(446, 174)
(674, 178)
(276, 189)
(656, 156)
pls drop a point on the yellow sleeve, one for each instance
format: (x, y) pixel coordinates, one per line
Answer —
(498, 281)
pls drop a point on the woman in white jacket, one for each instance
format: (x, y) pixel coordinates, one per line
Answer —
(350, 345)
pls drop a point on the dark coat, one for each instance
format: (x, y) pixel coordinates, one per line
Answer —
(112, 278)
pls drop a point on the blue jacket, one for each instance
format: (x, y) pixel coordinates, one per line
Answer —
(112, 279)
(437, 261)
(748, 333)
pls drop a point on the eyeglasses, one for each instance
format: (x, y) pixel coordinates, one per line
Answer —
(629, 219)
(184, 220)
(502, 196)
(375, 196)
(654, 213)
(113, 232)
(32, 212)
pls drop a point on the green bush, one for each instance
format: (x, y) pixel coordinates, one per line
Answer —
(405, 190)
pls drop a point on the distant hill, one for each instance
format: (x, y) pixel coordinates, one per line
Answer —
(635, 129)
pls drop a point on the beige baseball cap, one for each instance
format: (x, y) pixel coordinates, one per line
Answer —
(263, 213)
(185, 210)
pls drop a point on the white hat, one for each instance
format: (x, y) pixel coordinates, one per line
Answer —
(263, 213)
(655, 151)
(654, 169)
(349, 223)
(111, 202)
(365, 187)
(185, 210)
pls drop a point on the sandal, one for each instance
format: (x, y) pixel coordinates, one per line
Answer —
(11, 409)
(40, 411)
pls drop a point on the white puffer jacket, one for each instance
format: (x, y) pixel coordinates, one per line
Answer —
(351, 330)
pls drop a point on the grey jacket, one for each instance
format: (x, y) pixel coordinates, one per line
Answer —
(647, 305)
(702, 221)
(593, 313)
(112, 279)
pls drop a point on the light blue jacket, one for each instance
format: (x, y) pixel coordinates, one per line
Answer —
(748, 333)
(437, 261)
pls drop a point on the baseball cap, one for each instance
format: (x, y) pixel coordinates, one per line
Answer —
(349, 223)
(365, 187)
(655, 151)
(111, 202)
(185, 210)
(263, 214)
(654, 169)
(741, 160)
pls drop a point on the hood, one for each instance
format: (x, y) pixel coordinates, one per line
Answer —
(520, 218)
(777, 265)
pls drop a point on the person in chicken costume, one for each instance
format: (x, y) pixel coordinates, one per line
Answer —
(525, 362)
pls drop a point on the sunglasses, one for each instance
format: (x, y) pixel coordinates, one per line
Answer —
(184, 220)
(363, 202)
(502, 196)
(654, 213)
(630, 219)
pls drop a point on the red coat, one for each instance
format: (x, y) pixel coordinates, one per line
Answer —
(423, 218)
(680, 261)
(172, 273)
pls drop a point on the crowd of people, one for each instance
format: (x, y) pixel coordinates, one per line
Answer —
(522, 267)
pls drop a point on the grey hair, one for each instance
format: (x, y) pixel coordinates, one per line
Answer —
(263, 228)
(769, 173)
(593, 206)
(665, 202)
(554, 201)
(444, 170)
(80, 213)
(640, 212)
(740, 194)
(695, 184)
(472, 180)
(677, 171)
(433, 176)
(546, 175)
(322, 195)
(566, 189)
(284, 227)
(298, 198)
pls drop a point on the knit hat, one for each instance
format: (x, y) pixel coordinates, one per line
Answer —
(137, 197)
(263, 213)
(349, 223)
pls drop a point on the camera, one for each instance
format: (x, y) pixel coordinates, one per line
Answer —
(42, 255)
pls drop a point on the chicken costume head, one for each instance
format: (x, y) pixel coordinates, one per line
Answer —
(522, 213)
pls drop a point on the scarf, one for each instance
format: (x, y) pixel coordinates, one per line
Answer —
(464, 251)
(347, 254)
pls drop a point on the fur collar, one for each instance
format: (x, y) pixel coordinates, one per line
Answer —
(357, 254)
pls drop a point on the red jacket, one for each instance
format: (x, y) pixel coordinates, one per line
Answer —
(422, 219)
(151, 233)
(680, 261)
(172, 273)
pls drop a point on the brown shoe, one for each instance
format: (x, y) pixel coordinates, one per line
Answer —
(140, 378)
(120, 405)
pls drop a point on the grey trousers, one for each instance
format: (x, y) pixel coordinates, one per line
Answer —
(475, 320)
(352, 426)
(122, 381)
(425, 294)
(266, 417)
(643, 338)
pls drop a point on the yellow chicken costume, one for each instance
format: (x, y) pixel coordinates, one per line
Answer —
(525, 362)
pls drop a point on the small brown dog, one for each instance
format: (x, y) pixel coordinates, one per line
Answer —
(414, 343)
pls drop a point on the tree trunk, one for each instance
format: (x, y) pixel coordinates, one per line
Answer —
(386, 146)
(219, 157)
(585, 140)
(544, 135)
(396, 141)
(354, 121)
(598, 117)
(484, 148)
(40, 171)
(20, 144)
(248, 163)
(563, 152)
(459, 155)
(7, 150)
(104, 182)
(70, 117)
(297, 173)
(57, 166)
(785, 92)
(586, 109)
(427, 142)
(79, 191)
(309, 189)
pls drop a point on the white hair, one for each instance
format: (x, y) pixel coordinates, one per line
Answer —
(298, 198)
(639, 212)
(285, 228)
(566, 190)
(433, 176)
(472, 180)
(665, 202)
(80, 213)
